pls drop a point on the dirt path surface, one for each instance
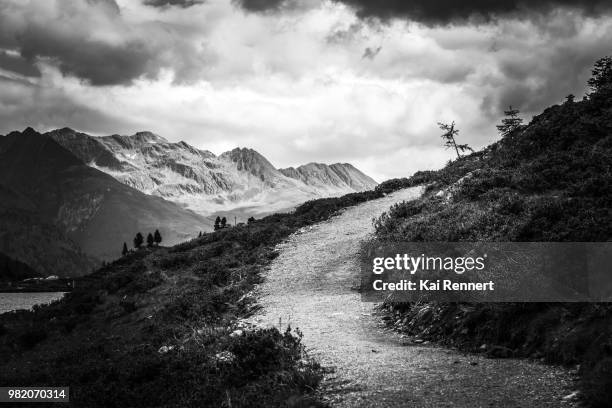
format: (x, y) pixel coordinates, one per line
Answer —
(311, 286)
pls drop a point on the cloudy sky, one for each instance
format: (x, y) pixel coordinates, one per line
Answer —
(329, 81)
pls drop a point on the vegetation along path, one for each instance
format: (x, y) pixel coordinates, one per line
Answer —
(311, 286)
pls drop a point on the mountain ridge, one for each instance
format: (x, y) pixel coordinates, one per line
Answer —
(240, 180)
(335, 174)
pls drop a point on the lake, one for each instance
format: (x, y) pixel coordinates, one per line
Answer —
(15, 301)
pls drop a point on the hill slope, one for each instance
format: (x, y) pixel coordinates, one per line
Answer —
(548, 181)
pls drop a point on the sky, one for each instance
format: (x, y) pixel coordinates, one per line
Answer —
(364, 82)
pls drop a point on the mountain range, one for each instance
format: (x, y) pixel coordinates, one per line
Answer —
(69, 200)
(240, 181)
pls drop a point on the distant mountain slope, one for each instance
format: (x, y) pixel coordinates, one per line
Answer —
(87, 148)
(26, 237)
(241, 181)
(338, 175)
(90, 207)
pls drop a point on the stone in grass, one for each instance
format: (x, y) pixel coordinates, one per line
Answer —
(237, 333)
(165, 349)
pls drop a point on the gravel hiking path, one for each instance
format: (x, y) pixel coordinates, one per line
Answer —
(311, 286)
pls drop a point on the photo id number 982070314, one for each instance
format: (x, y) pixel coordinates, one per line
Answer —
(34, 394)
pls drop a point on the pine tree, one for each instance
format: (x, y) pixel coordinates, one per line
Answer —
(200, 235)
(251, 219)
(223, 222)
(602, 75)
(138, 240)
(150, 240)
(157, 237)
(124, 251)
(449, 138)
(511, 122)
(217, 223)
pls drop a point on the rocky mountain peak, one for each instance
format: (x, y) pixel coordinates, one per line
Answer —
(87, 148)
(338, 175)
(29, 132)
(135, 141)
(148, 137)
(251, 161)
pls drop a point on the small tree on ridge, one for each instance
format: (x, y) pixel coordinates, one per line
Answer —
(511, 122)
(449, 138)
(217, 223)
(602, 75)
(138, 240)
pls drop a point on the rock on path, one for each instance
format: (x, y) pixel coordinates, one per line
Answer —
(311, 286)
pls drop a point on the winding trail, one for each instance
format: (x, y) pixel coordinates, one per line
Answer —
(311, 286)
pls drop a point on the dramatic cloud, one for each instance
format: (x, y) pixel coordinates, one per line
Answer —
(274, 6)
(24, 104)
(342, 35)
(449, 11)
(169, 3)
(92, 41)
(261, 5)
(442, 11)
(15, 63)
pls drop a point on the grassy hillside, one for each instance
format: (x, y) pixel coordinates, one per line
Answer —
(158, 327)
(547, 181)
